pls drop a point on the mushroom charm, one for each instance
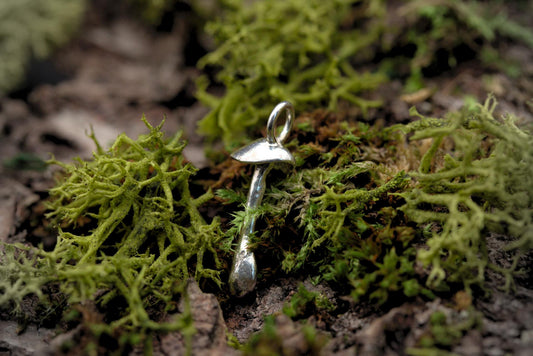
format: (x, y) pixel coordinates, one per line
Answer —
(264, 153)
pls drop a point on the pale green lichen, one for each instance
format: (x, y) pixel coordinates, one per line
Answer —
(20, 275)
(130, 232)
(481, 185)
(32, 29)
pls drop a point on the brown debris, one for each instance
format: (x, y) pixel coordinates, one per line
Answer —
(15, 201)
(210, 337)
(13, 342)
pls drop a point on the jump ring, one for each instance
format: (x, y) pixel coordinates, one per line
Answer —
(271, 124)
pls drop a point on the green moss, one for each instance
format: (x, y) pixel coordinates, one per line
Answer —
(350, 236)
(478, 187)
(130, 234)
(266, 342)
(269, 51)
(446, 30)
(281, 337)
(445, 330)
(152, 10)
(310, 53)
(32, 29)
(304, 301)
(20, 275)
(340, 215)
(333, 217)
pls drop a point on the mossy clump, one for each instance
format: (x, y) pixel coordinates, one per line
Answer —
(334, 218)
(445, 329)
(305, 302)
(270, 51)
(32, 29)
(442, 33)
(363, 206)
(317, 54)
(473, 181)
(130, 234)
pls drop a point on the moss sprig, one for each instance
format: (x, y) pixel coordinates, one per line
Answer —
(473, 181)
(22, 273)
(270, 51)
(304, 301)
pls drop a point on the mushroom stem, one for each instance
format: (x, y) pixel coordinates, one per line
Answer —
(243, 274)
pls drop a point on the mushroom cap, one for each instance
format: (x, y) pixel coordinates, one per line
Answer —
(261, 151)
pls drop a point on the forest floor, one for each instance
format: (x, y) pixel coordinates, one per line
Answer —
(118, 69)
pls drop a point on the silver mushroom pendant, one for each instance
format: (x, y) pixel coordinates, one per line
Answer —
(264, 153)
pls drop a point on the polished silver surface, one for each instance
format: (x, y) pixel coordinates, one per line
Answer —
(264, 153)
(261, 151)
